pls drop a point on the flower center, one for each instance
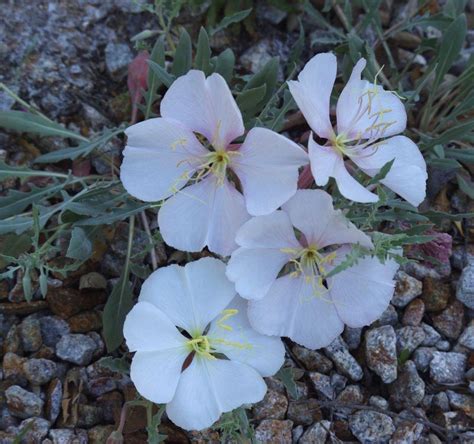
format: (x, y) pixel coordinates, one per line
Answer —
(201, 346)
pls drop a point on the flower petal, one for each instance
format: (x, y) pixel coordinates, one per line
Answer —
(325, 163)
(312, 92)
(367, 111)
(407, 177)
(147, 328)
(362, 292)
(205, 106)
(158, 154)
(235, 338)
(267, 167)
(207, 213)
(291, 308)
(312, 212)
(156, 373)
(208, 388)
(191, 296)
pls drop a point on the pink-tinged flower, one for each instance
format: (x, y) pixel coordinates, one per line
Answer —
(285, 277)
(187, 154)
(195, 349)
(366, 114)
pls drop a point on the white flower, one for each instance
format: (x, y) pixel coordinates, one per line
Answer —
(187, 155)
(303, 304)
(366, 113)
(194, 310)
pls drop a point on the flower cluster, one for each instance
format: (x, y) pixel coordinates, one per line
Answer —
(205, 334)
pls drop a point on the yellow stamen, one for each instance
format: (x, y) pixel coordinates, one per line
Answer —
(201, 346)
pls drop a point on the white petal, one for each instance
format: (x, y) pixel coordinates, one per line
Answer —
(147, 328)
(235, 338)
(191, 296)
(312, 212)
(407, 177)
(267, 166)
(362, 293)
(158, 154)
(205, 106)
(325, 163)
(366, 111)
(312, 92)
(156, 373)
(253, 270)
(208, 388)
(291, 308)
(207, 213)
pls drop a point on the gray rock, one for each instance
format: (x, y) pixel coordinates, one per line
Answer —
(431, 335)
(467, 337)
(76, 348)
(117, 58)
(422, 358)
(409, 338)
(296, 433)
(52, 329)
(30, 334)
(378, 402)
(272, 406)
(409, 389)
(371, 427)
(304, 412)
(388, 317)
(255, 57)
(337, 351)
(62, 436)
(37, 429)
(352, 337)
(338, 382)
(322, 385)
(54, 397)
(407, 289)
(465, 287)
(270, 431)
(443, 346)
(446, 368)
(22, 403)
(316, 434)
(381, 352)
(407, 432)
(459, 401)
(39, 371)
(440, 401)
(312, 359)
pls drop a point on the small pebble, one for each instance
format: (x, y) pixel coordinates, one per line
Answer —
(379, 402)
(312, 359)
(315, 434)
(409, 389)
(322, 385)
(30, 333)
(22, 403)
(272, 406)
(467, 337)
(407, 288)
(371, 427)
(338, 352)
(414, 312)
(52, 329)
(422, 358)
(39, 371)
(431, 335)
(76, 348)
(271, 431)
(465, 287)
(409, 338)
(450, 321)
(381, 352)
(446, 368)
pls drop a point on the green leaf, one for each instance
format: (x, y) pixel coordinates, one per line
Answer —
(268, 76)
(458, 132)
(465, 155)
(229, 20)
(80, 246)
(116, 309)
(251, 98)
(287, 377)
(183, 55)
(382, 174)
(224, 64)
(467, 187)
(114, 215)
(7, 171)
(32, 123)
(119, 365)
(203, 53)
(161, 73)
(82, 150)
(11, 246)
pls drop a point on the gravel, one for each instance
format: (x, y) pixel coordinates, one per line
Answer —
(409, 389)
(76, 348)
(371, 427)
(381, 352)
(447, 368)
(407, 289)
(465, 287)
(39, 371)
(338, 352)
(23, 403)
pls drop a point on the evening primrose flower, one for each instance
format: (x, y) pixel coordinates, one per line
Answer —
(187, 156)
(195, 349)
(367, 118)
(284, 276)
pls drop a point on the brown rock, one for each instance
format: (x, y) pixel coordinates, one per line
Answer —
(30, 334)
(272, 406)
(271, 431)
(84, 322)
(99, 434)
(450, 321)
(414, 313)
(12, 341)
(13, 365)
(22, 308)
(54, 396)
(312, 359)
(66, 302)
(435, 294)
(304, 412)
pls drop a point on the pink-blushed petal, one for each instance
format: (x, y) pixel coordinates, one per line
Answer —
(362, 292)
(407, 177)
(158, 155)
(267, 166)
(147, 328)
(208, 388)
(155, 374)
(367, 111)
(325, 163)
(191, 296)
(312, 212)
(208, 213)
(312, 92)
(293, 308)
(205, 106)
(235, 338)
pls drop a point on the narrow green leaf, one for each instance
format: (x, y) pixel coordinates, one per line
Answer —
(183, 55)
(465, 155)
(119, 365)
(458, 132)
(467, 187)
(82, 150)
(161, 73)
(382, 174)
(203, 52)
(224, 64)
(32, 123)
(230, 19)
(115, 215)
(11, 246)
(286, 376)
(251, 97)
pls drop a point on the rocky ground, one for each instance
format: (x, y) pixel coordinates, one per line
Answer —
(407, 378)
